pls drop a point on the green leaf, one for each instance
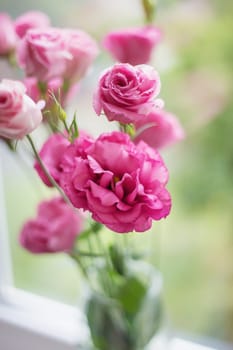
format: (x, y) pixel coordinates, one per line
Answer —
(117, 259)
(131, 294)
(73, 129)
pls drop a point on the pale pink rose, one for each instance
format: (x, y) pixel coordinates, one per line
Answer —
(83, 50)
(127, 93)
(19, 115)
(53, 230)
(120, 183)
(51, 154)
(42, 53)
(29, 20)
(132, 45)
(7, 34)
(56, 53)
(159, 129)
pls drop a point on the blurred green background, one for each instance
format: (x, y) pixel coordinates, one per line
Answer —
(193, 246)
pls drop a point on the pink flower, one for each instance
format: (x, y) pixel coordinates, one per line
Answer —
(127, 93)
(7, 34)
(121, 184)
(132, 45)
(32, 88)
(56, 53)
(29, 20)
(42, 53)
(83, 50)
(51, 154)
(159, 129)
(19, 115)
(53, 230)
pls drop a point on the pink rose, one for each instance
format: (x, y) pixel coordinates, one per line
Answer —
(53, 230)
(132, 45)
(127, 93)
(29, 20)
(32, 88)
(42, 53)
(19, 115)
(7, 34)
(159, 129)
(121, 184)
(51, 154)
(83, 50)
(56, 53)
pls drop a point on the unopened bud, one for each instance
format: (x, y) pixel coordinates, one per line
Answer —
(149, 7)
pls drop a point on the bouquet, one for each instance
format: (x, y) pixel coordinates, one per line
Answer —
(115, 182)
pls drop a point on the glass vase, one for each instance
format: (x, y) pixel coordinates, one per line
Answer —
(124, 310)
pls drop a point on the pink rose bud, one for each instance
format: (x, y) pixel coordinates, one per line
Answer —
(132, 45)
(29, 20)
(127, 93)
(159, 129)
(56, 53)
(7, 34)
(19, 114)
(120, 183)
(53, 230)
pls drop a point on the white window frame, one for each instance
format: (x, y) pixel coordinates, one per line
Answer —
(28, 321)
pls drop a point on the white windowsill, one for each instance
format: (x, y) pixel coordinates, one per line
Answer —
(42, 317)
(37, 319)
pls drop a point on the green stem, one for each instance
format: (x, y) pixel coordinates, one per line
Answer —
(88, 254)
(83, 268)
(51, 179)
(107, 276)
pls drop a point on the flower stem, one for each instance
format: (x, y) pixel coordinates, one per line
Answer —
(83, 268)
(106, 272)
(51, 179)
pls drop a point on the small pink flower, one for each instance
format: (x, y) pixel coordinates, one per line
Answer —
(7, 34)
(126, 93)
(19, 115)
(51, 154)
(121, 184)
(56, 53)
(132, 45)
(53, 230)
(159, 129)
(29, 20)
